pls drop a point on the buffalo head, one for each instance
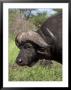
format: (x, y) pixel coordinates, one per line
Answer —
(31, 47)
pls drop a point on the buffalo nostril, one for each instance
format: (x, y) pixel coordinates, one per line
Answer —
(20, 61)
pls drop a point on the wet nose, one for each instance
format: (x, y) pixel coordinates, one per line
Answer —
(19, 61)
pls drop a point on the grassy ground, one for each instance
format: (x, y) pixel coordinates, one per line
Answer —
(36, 73)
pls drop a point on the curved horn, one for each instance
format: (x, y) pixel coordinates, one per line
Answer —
(47, 32)
(50, 34)
(30, 36)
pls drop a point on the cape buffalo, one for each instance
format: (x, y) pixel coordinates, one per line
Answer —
(45, 43)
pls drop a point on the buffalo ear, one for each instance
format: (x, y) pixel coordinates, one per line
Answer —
(44, 51)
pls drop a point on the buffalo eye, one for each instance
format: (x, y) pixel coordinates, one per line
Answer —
(27, 45)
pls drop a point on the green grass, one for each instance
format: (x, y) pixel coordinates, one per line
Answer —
(13, 51)
(36, 73)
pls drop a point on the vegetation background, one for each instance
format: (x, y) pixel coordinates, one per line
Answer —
(26, 20)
